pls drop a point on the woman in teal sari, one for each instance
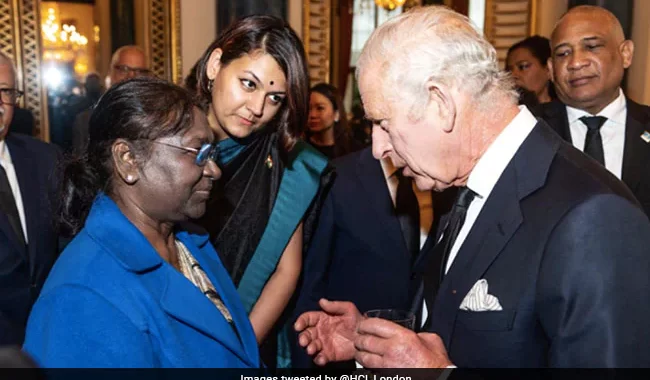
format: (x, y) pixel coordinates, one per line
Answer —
(253, 81)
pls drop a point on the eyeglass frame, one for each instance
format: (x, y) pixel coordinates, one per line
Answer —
(18, 93)
(125, 69)
(211, 152)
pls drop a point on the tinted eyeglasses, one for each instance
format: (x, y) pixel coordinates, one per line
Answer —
(10, 96)
(203, 154)
(135, 71)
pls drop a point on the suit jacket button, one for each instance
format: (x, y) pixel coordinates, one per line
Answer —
(453, 291)
(413, 275)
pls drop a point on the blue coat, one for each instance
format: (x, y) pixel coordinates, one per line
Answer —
(112, 301)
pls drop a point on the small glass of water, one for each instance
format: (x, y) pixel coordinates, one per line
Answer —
(403, 318)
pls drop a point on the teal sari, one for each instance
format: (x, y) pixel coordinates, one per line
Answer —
(256, 209)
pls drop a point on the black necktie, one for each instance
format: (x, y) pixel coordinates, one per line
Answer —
(438, 260)
(8, 205)
(593, 140)
(408, 213)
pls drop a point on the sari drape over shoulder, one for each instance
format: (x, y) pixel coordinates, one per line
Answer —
(256, 207)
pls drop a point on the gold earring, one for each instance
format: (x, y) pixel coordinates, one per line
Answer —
(210, 84)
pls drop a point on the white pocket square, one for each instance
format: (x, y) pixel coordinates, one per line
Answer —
(478, 299)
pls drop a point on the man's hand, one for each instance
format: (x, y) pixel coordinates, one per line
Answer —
(384, 344)
(329, 334)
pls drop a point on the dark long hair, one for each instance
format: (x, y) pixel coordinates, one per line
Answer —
(139, 111)
(540, 48)
(342, 135)
(274, 37)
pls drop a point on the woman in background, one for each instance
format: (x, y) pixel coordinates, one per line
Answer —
(138, 286)
(328, 124)
(253, 82)
(526, 60)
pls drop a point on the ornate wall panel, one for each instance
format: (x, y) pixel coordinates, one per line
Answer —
(508, 22)
(163, 23)
(20, 39)
(316, 36)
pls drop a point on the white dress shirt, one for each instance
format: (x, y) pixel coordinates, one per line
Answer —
(612, 132)
(489, 168)
(486, 174)
(424, 198)
(8, 165)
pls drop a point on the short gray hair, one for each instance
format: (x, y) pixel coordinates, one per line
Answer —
(434, 42)
(5, 60)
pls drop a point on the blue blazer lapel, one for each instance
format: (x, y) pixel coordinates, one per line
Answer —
(498, 221)
(371, 177)
(214, 324)
(178, 297)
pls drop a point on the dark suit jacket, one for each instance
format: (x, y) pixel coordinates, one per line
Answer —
(22, 122)
(636, 154)
(358, 252)
(563, 245)
(80, 131)
(23, 269)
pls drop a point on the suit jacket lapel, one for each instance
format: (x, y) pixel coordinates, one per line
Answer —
(371, 177)
(29, 192)
(636, 151)
(554, 113)
(498, 221)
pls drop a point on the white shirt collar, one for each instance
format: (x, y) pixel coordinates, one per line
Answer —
(615, 111)
(5, 159)
(387, 167)
(496, 158)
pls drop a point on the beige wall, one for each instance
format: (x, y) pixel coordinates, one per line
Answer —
(638, 82)
(547, 12)
(295, 15)
(198, 30)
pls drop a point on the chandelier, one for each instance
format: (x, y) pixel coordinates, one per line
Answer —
(60, 42)
(390, 5)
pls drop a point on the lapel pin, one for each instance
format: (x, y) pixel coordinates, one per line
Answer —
(269, 161)
(645, 136)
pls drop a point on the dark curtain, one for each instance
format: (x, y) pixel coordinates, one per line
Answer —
(122, 24)
(231, 10)
(345, 43)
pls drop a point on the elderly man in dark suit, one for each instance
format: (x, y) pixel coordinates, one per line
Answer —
(28, 241)
(590, 55)
(544, 258)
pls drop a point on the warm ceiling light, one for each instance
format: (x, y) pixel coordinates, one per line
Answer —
(390, 5)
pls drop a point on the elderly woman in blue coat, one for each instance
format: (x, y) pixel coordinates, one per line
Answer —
(138, 286)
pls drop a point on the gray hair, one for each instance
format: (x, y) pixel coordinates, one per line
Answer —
(435, 43)
(5, 60)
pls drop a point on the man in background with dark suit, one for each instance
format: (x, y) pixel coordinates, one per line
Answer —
(127, 62)
(544, 259)
(588, 60)
(370, 232)
(28, 240)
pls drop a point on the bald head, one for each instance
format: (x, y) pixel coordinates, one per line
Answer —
(127, 62)
(597, 16)
(589, 55)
